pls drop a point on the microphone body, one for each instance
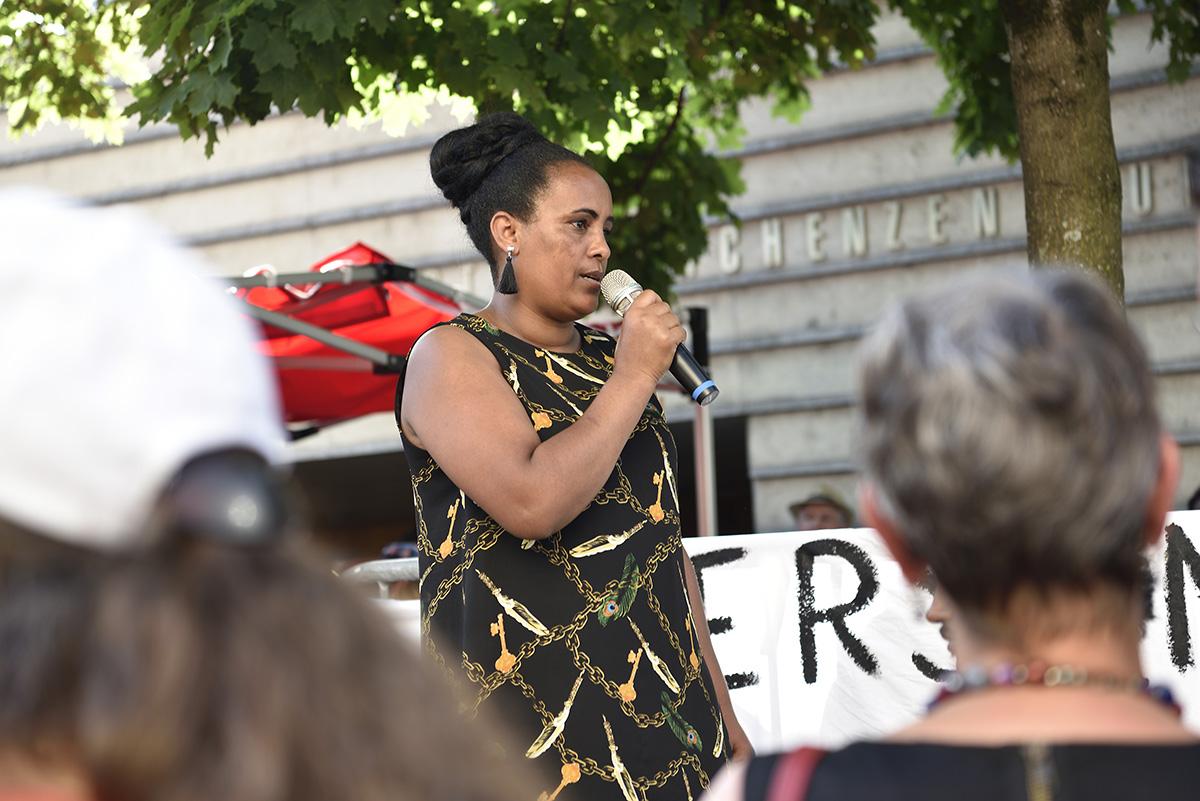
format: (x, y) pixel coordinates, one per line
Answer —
(619, 289)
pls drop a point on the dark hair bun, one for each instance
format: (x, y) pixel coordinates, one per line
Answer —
(463, 158)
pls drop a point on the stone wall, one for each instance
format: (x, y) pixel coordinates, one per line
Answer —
(861, 203)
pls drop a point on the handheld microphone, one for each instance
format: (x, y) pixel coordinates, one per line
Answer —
(619, 290)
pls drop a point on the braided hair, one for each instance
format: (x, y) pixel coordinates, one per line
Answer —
(501, 163)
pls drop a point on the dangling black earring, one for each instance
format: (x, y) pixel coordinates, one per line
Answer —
(508, 279)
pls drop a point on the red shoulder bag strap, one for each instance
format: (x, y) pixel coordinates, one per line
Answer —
(793, 772)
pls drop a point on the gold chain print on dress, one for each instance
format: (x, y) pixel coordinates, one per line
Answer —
(486, 533)
(667, 467)
(619, 772)
(693, 660)
(567, 590)
(688, 623)
(683, 730)
(617, 604)
(515, 609)
(591, 767)
(567, 400)
(719, 745)
(663, 552)
(556, 725)
(570, 775)
(423, 541)
(447, 546)
(561, 391)
(660, 667)
(605, 542)
(622, 494)
(511, 375)
(570, 368)
(626, 690)
(549, 372)
(540, 418)
(656, 510)
(506, 660)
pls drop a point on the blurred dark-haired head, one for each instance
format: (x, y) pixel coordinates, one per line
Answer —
(501, 163)
(163, 638)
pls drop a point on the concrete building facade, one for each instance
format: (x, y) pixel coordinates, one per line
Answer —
(862, 202)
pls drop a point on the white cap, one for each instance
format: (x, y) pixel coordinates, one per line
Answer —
(120, 359)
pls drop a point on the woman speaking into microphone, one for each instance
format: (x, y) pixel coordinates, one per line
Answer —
(554, 585)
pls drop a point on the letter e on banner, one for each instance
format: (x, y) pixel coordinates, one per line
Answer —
(721, 625)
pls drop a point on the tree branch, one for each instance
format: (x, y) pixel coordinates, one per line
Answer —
(659, 146)
(562, 31)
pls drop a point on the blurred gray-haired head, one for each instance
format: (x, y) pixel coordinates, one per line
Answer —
(1010, 432)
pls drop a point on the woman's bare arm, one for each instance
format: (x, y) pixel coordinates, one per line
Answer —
(458, 407)
(739, 743)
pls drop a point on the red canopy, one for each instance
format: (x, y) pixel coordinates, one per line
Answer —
(320, 384)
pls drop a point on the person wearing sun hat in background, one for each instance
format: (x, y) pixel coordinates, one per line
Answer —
(821, 510)
(166, 633)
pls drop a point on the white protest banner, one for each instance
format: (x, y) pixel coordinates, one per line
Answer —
(816, 633)
(822, 641)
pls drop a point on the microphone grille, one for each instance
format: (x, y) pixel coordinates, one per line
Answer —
(615, 284)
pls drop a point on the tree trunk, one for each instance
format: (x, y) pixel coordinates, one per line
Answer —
(1059, 51)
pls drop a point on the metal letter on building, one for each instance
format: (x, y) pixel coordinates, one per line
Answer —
(812, 227)
(894, 210)
(854, 231)
(986, 208)
(936, 218)
(1141, 189)
(728, 256)
(772, 242)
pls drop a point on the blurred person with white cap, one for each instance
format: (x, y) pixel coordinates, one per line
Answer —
(166, 635)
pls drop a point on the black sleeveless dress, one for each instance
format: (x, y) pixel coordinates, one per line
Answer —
(580, 646)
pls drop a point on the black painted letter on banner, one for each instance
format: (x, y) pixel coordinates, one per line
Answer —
(810, 616)
(721, 556)
(1180, 552)
(720, 625)
(927, 668)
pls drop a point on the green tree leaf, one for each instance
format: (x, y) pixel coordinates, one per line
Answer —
(599, 76)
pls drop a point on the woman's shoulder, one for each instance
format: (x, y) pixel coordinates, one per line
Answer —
(461, 344)
(465, 323)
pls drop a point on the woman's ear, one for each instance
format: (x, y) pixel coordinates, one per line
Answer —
(505, 231)
(1164, 488)
(868, 500)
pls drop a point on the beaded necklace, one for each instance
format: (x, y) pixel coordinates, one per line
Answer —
(1038, 674)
